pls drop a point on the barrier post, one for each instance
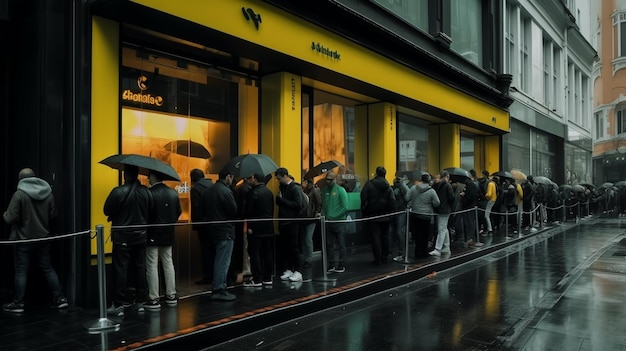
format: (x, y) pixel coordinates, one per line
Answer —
(103, 323)
(578, 211)
(324, 277)
(520, 211)
(406, 240)
(533, 218)
(478, 243)
(564, 213)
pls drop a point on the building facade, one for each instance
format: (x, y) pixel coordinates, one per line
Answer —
(409, 85)
(547, 51)
(609, 108)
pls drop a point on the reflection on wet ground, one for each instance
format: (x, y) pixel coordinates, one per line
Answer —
(560, 287)
(565, 292)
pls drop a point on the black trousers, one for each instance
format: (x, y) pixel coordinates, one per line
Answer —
(420, 229)
(261, 252)
(122, 256)
(379, 231)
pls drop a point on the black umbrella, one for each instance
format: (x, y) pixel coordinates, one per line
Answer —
(322, 168)
(146, 164)
(620, 184)
(188, 148)
(458, 175)
(607, 185)
(588, 186)
(542, 180)
(578, 188)
(503, 174)
(244, 166)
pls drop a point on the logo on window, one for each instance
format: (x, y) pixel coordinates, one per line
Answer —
(140, 97)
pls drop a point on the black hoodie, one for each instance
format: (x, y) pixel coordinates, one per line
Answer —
(377, 197)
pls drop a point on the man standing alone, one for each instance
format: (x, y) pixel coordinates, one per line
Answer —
(29, 214)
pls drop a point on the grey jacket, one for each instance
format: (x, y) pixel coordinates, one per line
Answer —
(422, 199)
(30, 209)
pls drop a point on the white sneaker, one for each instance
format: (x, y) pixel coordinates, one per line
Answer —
(296, 277)
(286, 274)
(435, 252)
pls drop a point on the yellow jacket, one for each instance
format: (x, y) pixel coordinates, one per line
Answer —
(491, 193)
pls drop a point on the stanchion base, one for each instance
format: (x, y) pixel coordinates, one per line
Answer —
(102, 324)
(325, 279)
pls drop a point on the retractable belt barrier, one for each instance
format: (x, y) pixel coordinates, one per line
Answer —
(48, 238)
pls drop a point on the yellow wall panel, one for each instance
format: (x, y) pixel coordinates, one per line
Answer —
(492, 153)
(382, 138)
(104, 117)
(449, 145)
(292, 36)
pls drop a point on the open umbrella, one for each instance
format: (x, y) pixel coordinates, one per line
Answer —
(588, 186)
(188, 148)
(244, 166)
(146, 164)
(542, 180)
(620, 184)
(503, 174)
(458, 175)
(578, 188)
(607, 185)
(518, 175)
(322, 168)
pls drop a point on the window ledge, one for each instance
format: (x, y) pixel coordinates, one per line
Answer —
(618, 63)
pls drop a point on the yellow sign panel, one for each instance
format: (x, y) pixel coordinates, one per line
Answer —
(313, 44)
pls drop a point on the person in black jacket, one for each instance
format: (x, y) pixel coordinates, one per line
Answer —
(469, 200)
(165, 210)
(29, 213)
(259, 205)
(219, 205)
(207, 249)
(290, 202)
(446, 201)
(377, 199)
(128, 205)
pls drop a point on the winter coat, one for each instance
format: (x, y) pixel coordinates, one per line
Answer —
(315, 201)
(218, 204)
(377, 198)
(291, 202)
(446, 197)
(470, 199)
(129, 205)
(423, 200)
(30, 210)
(165, 210)
(334, 202)
(260, 204)
(196, 201)
(399, 191)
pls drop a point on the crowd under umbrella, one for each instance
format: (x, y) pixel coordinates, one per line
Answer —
(322, 168)
(620, 184)
(145, 164)
(458, 175)
(503, 174)
(578, 188)
(607, 185)
(244, 166)
(588, 186)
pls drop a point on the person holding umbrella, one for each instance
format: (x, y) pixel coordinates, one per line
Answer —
(128, 205)
(219, 205)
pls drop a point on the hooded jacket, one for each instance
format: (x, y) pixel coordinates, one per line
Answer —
(165, 210)
(196, 201)
(291, 202)
(422, 199)
(446, 197)
(219, 205)
(30, 210)
(377, 197)
(260, 204)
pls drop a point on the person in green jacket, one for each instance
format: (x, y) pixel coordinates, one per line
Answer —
(334, 208)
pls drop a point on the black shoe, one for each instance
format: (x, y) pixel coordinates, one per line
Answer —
(222, 295)
(59, 302)
(13, 307)
(153, 305)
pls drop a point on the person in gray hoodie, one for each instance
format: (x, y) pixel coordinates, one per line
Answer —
(29, 214)
(422, 199)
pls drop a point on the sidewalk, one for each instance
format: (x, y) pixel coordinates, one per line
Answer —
(198, 322)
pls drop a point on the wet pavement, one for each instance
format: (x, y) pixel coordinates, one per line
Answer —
(562, 291)
(559, 288)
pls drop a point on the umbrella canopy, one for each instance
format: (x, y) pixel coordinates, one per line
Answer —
(620, 184)
(607, 185)
(588, 186)
(244, 166)
(542, 180)
(146, 164)
(503, 174)
(188, 148)
(518, 175)
(322, 168)
(458, 175)
(578, 188)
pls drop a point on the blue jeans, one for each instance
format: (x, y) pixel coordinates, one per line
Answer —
(22, 256)
(223, 251)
